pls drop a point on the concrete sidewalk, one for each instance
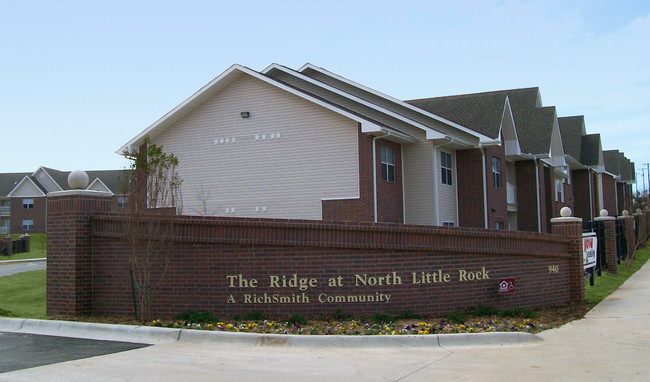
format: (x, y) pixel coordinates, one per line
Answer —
(611, 343)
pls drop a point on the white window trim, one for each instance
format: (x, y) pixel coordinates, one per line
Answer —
(449, 170)
(384, 162)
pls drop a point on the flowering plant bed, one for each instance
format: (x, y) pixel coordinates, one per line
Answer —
(466, 321)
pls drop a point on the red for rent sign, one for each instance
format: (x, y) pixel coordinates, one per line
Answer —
(589, 249)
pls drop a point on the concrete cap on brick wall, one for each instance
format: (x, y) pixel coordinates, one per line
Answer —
(604, 215)
(565, 214)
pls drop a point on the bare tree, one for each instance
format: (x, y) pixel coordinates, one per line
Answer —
(203, 195)
(153, 187)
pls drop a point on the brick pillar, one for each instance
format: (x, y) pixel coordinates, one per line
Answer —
(9, 243)
(571, 228)
(630, 237)
(27, 244)
(69, 250)
(610, 242)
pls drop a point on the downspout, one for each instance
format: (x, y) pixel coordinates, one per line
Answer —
(485, 203)
(403, 188)
(591, 197)
(601, 198)
(536, 158)
(374, 169)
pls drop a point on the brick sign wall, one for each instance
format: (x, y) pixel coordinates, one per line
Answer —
(231, 266)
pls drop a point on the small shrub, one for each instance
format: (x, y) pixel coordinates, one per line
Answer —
(254, 316)
(518, 312)
(379, 318)
(457, 317)
(340, 315)
(5, 313)
(482, 310)
(196, 317)
(297, 319)
(406, 315)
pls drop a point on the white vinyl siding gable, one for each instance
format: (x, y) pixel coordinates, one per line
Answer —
(279, 163)
(419, 200)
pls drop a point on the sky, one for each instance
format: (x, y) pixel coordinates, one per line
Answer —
(78, 79)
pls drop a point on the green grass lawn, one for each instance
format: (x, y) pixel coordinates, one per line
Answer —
(37, 247)
(23, 295)
(608, 283)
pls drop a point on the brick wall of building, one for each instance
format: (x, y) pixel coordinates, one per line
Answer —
(213, 262)
(497, 196)
(582, 194)
(36, 214)
(609, 194)
(390, 201)
(527, 192)
(470, 188)
(390, 198)
(361, 209)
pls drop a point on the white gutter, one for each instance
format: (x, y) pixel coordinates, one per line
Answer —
(537, 158)
(403, 187)
(601, 198)
(539, 206)
(374, 169)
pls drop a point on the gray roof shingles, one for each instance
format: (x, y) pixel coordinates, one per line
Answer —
(482, 112)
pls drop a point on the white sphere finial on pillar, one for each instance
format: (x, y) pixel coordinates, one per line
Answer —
(625, 213)
(604, 213)
(565, 212)
(78, 180)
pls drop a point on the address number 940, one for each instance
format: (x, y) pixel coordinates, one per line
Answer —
(553, 269)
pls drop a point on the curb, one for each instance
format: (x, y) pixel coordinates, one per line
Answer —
(8, 262)
(155, 335)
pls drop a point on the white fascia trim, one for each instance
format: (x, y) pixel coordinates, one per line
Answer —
(485, 140)
(25, 179)
(427, 129)
(507, 111)
(97, 180)
(48, 175)
(145, 132)
(243, 69)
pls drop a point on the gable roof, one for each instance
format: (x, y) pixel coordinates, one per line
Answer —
(220, 82)
(480, 112)
(612, 165)
(591, 153)
(483, 111)
(572, 129)
(616, 163)
(12, 181)
(325, 77)
(30, 184)
(8, 181)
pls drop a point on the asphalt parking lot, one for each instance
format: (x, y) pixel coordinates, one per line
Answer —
(22, 351)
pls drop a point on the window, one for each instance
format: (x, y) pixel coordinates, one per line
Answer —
(496, 172)
(447, 224)
(559, 190)
(28, 225)
(122, 202)
(500, 226)
(387, 164)
(28, 204)
(445, 168)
